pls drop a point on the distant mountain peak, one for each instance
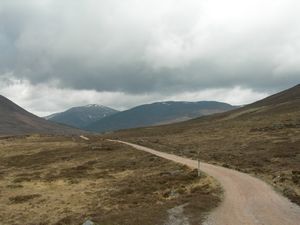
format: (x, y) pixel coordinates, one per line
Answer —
(81, 116)
(158, 113)
(95, 106)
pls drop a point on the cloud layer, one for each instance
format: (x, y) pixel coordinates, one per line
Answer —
(45, 99)
(150, 47)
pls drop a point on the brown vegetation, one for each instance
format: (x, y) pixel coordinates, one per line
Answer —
(59, 180)
(262, 139)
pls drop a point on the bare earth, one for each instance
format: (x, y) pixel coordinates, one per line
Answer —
(247, 200)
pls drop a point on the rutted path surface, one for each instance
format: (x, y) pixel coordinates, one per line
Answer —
(247, 201)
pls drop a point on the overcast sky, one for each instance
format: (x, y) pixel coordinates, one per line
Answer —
(55, 54)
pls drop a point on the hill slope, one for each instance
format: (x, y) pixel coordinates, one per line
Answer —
(82, 116)
(262, 139)
(158, 113)
(15, 120)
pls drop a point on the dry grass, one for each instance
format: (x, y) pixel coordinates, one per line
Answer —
(263, 141)
(61, 180)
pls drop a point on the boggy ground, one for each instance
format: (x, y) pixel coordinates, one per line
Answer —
(66, 180)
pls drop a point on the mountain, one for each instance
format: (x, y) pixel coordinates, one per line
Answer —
(158, 113)
(82, 116)
(282, 105)
(261, 139)
(15, 120)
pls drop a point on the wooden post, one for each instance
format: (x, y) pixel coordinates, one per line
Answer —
(199, 164)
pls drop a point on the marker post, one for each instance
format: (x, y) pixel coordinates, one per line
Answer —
(199, 164)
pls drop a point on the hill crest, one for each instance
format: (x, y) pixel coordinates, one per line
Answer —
(14, 120)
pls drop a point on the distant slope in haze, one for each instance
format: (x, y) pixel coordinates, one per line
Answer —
(15, 120)
(158, 113)
(81, 116)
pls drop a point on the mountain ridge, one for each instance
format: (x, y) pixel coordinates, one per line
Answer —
(15, 120)
(81, 116)
(158, 113)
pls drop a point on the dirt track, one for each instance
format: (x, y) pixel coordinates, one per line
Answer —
(247, 201)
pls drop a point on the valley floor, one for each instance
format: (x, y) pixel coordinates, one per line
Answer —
(265, 145)
(247, 200)
(67, 180)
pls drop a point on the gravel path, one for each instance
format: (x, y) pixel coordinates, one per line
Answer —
(247, 201)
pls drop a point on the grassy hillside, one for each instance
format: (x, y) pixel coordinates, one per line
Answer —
(262, 139)
(15, 120)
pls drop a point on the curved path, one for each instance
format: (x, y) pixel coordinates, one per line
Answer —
(247, 200)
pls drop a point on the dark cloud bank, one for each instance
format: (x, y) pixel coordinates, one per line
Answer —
(144, 47)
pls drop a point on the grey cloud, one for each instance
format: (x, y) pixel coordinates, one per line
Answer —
(45, 99)
(147, 46)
